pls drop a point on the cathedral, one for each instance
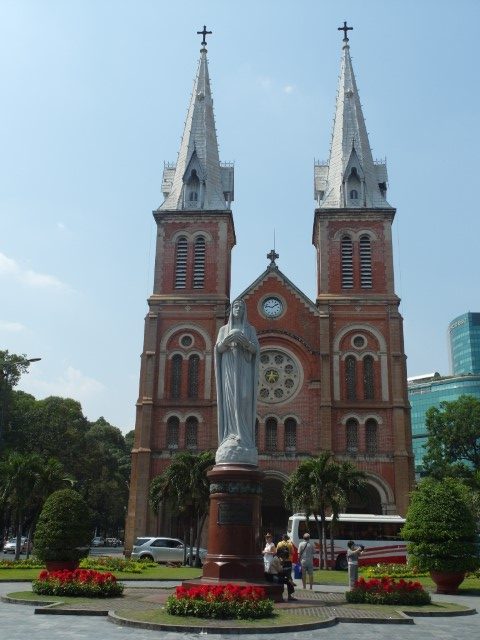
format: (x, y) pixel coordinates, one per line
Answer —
(332, 370)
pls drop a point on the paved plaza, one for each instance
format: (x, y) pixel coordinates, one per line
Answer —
(18, 622)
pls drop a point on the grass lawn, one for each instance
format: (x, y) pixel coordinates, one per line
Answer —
(159, 572)
(161, 617)
(470, 586)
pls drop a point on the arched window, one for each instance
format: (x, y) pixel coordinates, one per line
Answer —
(181, 263)
(256, 433)
(368, 379)
(193, 367)
(352, 436)
(290, 434)
(271, 434)
(365, 262)
(176, 376)
(347, 262)
(191, 433)
(193, 196)
(371, 437)
(173, 431)
(199, 263)
(193, 187)
(351, 377)
(353, 194)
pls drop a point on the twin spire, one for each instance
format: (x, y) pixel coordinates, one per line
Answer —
(350, 178)
(198, 181)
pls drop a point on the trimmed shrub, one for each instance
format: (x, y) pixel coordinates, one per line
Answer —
(388, 591)
(392, 571)
(30, 563)
(220, 602)
(440, 527)
(63, 531)
(81, 582)
(121, 565)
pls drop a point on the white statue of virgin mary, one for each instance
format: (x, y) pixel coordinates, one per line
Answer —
(236, 369)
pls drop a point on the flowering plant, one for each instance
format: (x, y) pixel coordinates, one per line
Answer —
(81, 582)
(382, 570)
(220, 601)
(387, 591)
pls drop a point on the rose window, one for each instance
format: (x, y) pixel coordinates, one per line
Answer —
(279, 376)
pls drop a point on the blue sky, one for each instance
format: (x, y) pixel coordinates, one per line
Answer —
(93, 99)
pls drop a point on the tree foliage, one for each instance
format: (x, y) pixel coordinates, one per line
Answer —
(453, 445)
(319, 487)
(440, 527)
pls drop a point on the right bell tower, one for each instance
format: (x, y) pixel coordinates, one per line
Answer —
(364, 408)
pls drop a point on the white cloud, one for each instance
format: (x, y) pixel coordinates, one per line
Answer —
(11, 326)
(71, 384)
(265, 82)
(10, 268)
(288, 88)
(61, 226)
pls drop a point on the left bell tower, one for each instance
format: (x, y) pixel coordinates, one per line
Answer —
(176, 407)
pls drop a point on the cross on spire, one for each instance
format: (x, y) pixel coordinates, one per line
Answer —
(272, 256)
(345, 30)
(204, 33)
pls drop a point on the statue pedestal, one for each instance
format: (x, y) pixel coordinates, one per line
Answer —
(234, 536)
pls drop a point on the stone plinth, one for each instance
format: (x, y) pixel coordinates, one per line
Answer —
(234, 533)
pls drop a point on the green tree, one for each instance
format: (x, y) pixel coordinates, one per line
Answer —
(184, 488)
(12, 367)
(453, 445)
(319, 487)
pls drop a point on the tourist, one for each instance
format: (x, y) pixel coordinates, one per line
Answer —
(269, 552)
(286, 543)
(306, 551)
(353, 553)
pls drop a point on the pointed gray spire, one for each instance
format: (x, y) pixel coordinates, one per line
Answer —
(198, 181)
(350, 179)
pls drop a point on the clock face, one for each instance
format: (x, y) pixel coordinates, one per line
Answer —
(272, 307)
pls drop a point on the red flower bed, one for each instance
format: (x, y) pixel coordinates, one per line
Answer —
(388, 591)
(80, 582)
(220, 601)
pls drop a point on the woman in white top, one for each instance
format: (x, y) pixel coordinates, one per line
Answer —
(268, 552)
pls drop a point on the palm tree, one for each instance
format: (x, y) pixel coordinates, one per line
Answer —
(18, 476)
(320, 486)
(184, 487)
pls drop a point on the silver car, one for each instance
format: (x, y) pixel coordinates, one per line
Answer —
(163, 550)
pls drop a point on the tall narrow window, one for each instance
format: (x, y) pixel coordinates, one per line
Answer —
(347, 262)
(193, 367)
(256, 433)
(290, 434)
(271, 434)
(191, 433)
(173, 431)
(368, 380)
(371, 437)
(352, 436)
(181, 263)
(351, 377)
(199, 264)
(365, 262)
(353, 194)
(176, 377)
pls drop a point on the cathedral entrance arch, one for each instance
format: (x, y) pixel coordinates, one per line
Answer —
(274, 513)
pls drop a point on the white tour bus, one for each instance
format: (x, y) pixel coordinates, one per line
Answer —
(380, 536)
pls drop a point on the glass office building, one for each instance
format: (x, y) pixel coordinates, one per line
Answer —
(464, 334)
(428, 391)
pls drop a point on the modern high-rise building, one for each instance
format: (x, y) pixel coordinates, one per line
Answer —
(332, 370)
(464, 338)
(432, 389)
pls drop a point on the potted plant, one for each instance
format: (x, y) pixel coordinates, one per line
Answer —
(63, 531)
(441, 532)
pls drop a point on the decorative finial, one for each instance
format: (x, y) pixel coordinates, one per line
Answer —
(345, 30)
(204, 33)
(272, 256)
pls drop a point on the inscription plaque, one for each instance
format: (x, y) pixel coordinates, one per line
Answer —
(234, 513)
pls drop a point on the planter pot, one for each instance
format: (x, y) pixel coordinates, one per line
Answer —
(447, 581)
(61, 565)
